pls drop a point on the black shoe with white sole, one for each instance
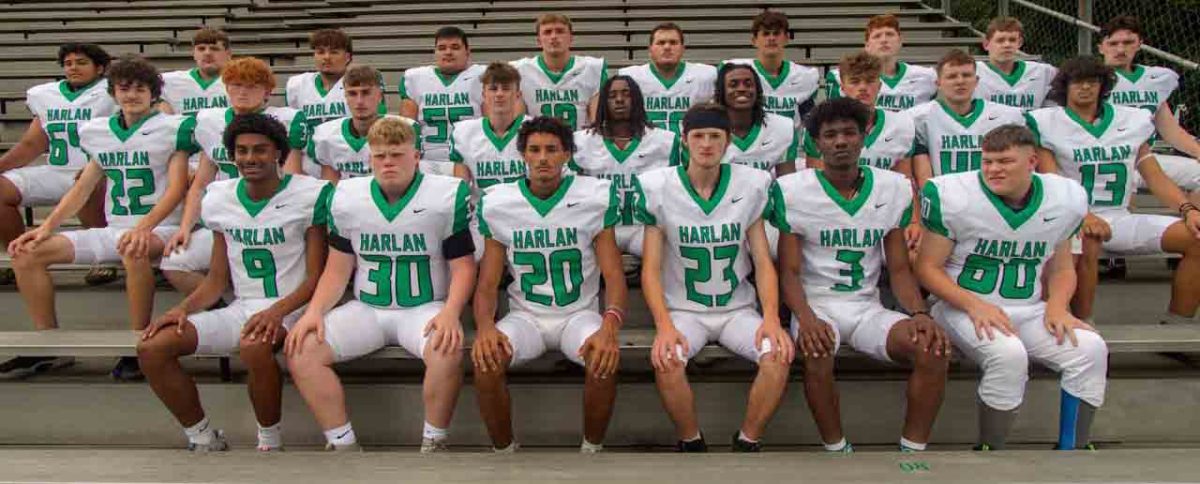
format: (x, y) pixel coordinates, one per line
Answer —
(27, 366)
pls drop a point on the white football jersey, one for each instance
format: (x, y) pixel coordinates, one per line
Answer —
(890, 138)
(1101, 156)
(62, 111)
(1025, 88)
(842, 239)
(210, 133)
(188, 93)
(549, 242)
(598, 157)
(706, 255)
(264, 239)
(307, 93)
(955, 142)
(489, 157)
(442, 101)
(399, 245)
(791, 93)
(667, 100)
(335, 145)
(565, 94)
(135, 162)
(1145, 87)
(999, 253)
(911, 86)
(767, 145)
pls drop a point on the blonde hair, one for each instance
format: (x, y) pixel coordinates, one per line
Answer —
(391, 131)
(553, 18)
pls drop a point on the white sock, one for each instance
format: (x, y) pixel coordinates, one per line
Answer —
(270, 437)
(742, 436)
(590, 447)
(694, 438)
(837, 447)
(341, 436)
(201, 433)
(433, 433)
(511, 449)
(908, 444)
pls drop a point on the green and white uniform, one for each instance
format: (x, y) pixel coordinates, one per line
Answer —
(666, 99)
(706, 253)
(187, 93)
(1149, 87)
(442, 101)
(334, 144)
(909, 87)
(403, 272)
(791, 93)
(890, 138)
(1024, 88)
(266, 246)
(768, 144)
(492, 159)
(843, 249)
(1000, 255)
(307, 93)
(135, 161)
(1102, 157)
(550, 254)
(953, 141)
(61, 111)
(565, 94)
(599, 157)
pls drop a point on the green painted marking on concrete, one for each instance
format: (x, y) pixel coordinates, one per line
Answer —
(911, 467)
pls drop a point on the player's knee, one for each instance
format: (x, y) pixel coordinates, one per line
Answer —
(438, 358)
(1006, 358)
(136, 262)
(9, 195)
(256, 353)
(773, 367)
(159, 348)
(817, 367)
(1092, 348)
(306, 359)
(28, 261)
(931, 362)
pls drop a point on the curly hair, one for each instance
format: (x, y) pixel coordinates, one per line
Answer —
(94, 52)
(131, 68)
(330, 39)
(840, 109)
(547, 125)
(760, 114)
(1078, 69)
(256, 123)
(637, 108)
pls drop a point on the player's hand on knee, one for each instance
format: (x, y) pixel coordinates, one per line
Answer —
(601, 352)
(927, 336)
(445, 332)
(912, 235)
(814, 336)
(490, 349)
(135, 243)
(988, 319)
(176, 317)
(308, 323)
(178, 242)
(1096, 227)
(669, 349)
(264, 326)
(1062, 324)
(782, 348)
(28, 241)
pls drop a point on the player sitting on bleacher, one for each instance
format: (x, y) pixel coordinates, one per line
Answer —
(556, 82)
(669, 84)
(141, 154)
(840, 227)
(789, 89)
(1101, 146)
(339, 146)
(904, 85)
(59, 109)
(268, 242)
(1005, 79)
(442, 94)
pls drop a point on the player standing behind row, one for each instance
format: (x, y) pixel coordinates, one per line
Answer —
(839, 225)
(249, 83)
(554, 232)
(761, 140)
(187, 92)
(994, 238)
(59, 109)
(669, 84)
(556, 82)
(1003, 78)
(141, 154)
(704, 235)
(403, 236)
(442, 94)
(904, 85)
(339, 146)
(621, 145)
(269, 243)
(788, 88)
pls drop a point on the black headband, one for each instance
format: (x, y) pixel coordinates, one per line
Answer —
(706, 119)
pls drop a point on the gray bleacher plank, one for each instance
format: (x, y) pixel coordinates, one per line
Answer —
(120, 6)
(12, 17)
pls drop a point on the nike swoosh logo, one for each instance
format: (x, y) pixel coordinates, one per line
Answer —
(1049, 219)
(569, 205)
(880, 205)
(736, 200)
(1033, 78)
(992, 117)
(344, 434)
(766, 142)
(641, 155)
(889, 139)
(1122, 129)
(145, 133)
(1155, 77)
(277, 207)
(687, 81)
(418, 210)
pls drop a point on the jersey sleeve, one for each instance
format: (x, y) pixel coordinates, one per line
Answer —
(676, 151)
(931, 210)
(1032, 124)
(612, 212)
(644, 210)
(762, 192)
(462, 208)
(603, 74)
(185, 136)
(485, 230)
(776, 212)
(321, 208)
(402, 88)
(902, 197)
(455, 155)
(210, 212)
(810, 145)
(793, 150)
(337, 233)
(298, 131)
(833, 89)
(34, 102)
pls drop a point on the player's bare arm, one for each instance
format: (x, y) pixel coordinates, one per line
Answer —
(339, 266)
(32, 144)
(491, 348)
(814, 337)
(267, 325)
(215, 282)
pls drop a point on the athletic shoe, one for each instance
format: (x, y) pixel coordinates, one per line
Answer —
(329, 447)
(7, 277)
(26, 366)
(511, 449)
(982, 448)
(848, 449)
(433, 446)
(740, 445)
(697, 445)
(218, 444)
(100, 275)
(127, 369)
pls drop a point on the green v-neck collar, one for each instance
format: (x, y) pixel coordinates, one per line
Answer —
(970, 118)
(1015, 218)
(876, 128)
(356, 143)
(254, 207)
(320, 84)
(776, 80)
(851, 207)
(391, 210)
(1010, 79)
(544, 206)
(229, 114)
(744, 143)
(894, 80)
(447, 80)
(1098, 128)
(622, 154)
(497, 141)
(668, 82)
(1134, 75)
(707, 206)
(555, 77)
(204, 84)
(122, 133)
(64, 88)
